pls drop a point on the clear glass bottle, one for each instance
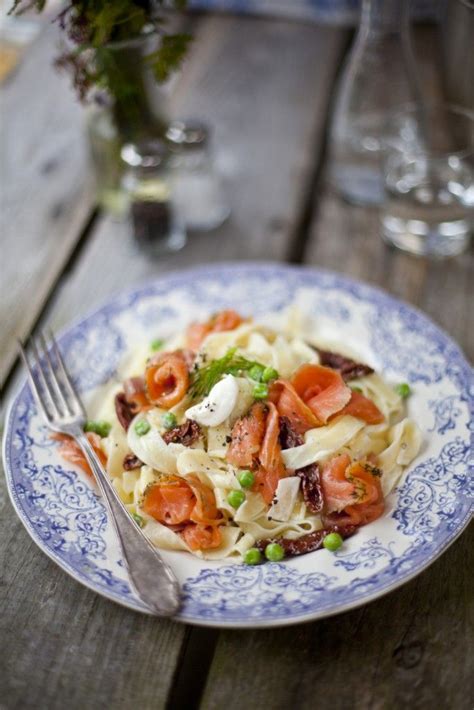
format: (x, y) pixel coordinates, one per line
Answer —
(157, 226)
(380, 75)
(197, 184)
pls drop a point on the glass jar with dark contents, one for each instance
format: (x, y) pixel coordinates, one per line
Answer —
(157, 226)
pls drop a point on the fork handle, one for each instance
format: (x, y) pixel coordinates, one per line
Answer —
(150, 576)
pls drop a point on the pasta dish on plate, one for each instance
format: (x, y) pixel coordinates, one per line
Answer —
(234, 439)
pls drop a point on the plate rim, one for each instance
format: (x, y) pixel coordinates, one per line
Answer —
(242, 624)
(211, 269)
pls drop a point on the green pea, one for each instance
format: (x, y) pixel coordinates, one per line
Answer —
(253, 556)
(274, 552)
(235, 498)
(403, 389)
(256, 372)
(260, 391)
(142, 427)
(157, 344)
(246, 479)
(269, 374)
(138, 519)
(356, 389)
(98, 427)
(332, 542)
(169, 420)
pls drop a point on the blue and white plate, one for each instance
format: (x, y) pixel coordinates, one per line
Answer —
(63, 513)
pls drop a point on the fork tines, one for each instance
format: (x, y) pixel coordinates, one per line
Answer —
(50, 381)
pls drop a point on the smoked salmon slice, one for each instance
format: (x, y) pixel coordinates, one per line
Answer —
(70, 450)
(271, 467)
(205, 509)
(135, 393)
(291, 406)
(371, 503)
(175, 500)
(352, 493)
(195, 335)
(322, 389)
(167, 379)
(200, 537)
(170, 502)
(363, 408)
(222, 321)
(247, 436)
(337, 490)
(257, 434)
(225, 320)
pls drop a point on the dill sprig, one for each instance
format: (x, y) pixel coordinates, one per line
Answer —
(204, 378)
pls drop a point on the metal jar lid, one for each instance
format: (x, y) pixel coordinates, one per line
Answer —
(187, 135)
(146, 154)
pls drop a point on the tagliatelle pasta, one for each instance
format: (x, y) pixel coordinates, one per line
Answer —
(322, 442)
(248, 444)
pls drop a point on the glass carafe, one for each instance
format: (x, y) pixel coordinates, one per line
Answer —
(379, 76)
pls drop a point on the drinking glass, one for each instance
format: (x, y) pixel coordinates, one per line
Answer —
(429, 180)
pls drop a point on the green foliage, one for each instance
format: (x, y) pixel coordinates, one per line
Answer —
(204, 378)
(169, 56)
(91, 25)
(114, 19)
(21, 6)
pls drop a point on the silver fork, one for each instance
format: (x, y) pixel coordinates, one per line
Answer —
(151, 578)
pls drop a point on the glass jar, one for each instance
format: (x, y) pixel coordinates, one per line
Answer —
(379, 74)
(147, 188)
(197, 184)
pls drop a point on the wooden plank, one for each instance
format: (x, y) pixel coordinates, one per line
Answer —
(346, 238)
(267, 105)
(45, 198)
(412, 648)
(62, 644)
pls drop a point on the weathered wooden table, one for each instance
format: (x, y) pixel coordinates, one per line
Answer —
(266, 87)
